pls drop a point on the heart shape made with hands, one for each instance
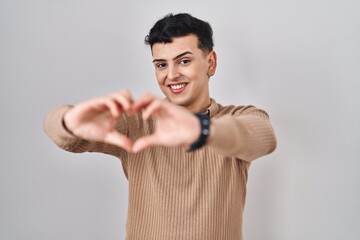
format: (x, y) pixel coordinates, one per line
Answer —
(95, 120)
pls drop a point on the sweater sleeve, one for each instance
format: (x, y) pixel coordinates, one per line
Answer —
(246, 133)
(55, 129)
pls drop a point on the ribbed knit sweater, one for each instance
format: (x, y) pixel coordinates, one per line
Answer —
(180, 195)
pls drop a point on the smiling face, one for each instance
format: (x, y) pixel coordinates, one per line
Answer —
(183, 71)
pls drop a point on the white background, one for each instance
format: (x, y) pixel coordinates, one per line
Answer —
(298, 60)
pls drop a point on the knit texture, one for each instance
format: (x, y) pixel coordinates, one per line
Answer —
(175, 194)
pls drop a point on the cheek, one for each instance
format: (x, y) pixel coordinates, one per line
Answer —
(159, 77)
(198, 72)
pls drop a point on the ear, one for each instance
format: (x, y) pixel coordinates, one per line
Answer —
(212, 61)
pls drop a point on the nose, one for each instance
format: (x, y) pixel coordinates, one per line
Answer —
(173, 73)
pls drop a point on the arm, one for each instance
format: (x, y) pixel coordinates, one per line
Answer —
(246, 135)
(56, 130)
(94, 125)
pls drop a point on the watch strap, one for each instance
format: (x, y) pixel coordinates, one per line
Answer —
(204, 120)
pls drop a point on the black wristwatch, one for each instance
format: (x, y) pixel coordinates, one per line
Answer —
(204, 120)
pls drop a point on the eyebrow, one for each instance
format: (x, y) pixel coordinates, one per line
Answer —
(178, 56)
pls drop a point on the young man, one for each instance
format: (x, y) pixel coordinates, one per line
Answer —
(187, 172)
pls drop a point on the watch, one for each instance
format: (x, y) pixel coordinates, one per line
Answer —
(204, 120)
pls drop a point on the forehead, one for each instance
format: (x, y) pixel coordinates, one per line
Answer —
(177, 46)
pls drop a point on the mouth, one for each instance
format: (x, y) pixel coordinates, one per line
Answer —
(177, 87)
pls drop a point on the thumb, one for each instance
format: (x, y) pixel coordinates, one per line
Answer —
(145, 142)
(117, 139)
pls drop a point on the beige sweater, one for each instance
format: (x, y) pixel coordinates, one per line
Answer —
(175, 194)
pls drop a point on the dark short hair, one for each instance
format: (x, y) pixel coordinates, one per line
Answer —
(181, 25)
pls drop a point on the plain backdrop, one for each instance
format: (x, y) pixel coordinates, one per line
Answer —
(298, 60)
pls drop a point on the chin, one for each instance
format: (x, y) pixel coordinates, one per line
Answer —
(181, 101)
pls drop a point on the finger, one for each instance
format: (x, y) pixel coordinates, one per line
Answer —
(113, 107)
(124, 99)
(118, 102)
(145, 142)
(117, 139)
(143, 101)
(126, 93)
(154, 107)
(99, 104)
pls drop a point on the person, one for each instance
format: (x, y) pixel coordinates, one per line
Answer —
(186, 157)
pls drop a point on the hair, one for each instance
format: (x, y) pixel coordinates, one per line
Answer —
(180, 25)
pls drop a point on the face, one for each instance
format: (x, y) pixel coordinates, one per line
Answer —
(183, 71)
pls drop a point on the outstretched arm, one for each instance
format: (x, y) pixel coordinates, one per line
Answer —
(93, 120)
(247, 135)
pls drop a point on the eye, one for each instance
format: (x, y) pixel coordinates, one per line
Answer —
(160, 65)
(184, 61)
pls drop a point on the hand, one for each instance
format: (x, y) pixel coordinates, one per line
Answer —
(175, 125)
(95, 120)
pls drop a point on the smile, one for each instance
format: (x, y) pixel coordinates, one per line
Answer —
(177, 88)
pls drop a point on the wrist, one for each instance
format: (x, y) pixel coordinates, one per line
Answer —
(65, 125)
(205, 127)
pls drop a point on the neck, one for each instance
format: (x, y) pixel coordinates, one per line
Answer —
(201, 106)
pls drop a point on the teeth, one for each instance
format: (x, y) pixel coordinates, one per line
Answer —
(175, 87)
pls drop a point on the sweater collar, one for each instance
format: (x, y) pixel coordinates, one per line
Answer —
(213, 108)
